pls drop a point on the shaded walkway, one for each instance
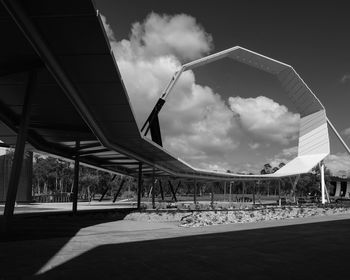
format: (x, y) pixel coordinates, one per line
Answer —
(132, 250)
(35, 240)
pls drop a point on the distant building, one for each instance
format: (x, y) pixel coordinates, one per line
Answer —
(24, 193)
(339, 187)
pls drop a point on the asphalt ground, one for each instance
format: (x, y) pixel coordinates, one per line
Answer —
(107, 247)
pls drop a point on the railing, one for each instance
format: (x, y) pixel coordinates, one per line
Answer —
(47, 198)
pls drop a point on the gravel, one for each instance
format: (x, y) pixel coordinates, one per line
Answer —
(207, 218)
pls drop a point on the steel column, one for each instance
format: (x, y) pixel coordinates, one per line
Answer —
(294, 186)
(153, 191)
(161, 189)
(172, 190)
(178, 186)
(323, 187)
(254, 188)
(119, 189)
(338, 135)
(139, 187)
(76, 180)
(230, 192)
(106, 189)
(19, 151)
(195, 192)
(225, 191)
(212, 195)
(279, 192)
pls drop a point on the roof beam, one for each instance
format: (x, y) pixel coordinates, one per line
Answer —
(122, 163)
(94, 152)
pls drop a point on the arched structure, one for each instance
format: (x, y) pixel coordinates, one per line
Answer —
(313, 144)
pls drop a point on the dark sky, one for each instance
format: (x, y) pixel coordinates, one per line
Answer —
(312, 37)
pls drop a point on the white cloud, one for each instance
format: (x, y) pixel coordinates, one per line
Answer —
(284, 156)
(346, 132)
(200, 127)
(198, 123)
(339, 164)
(163, 35)
(265, 119)
(254, 146)
(345, 78)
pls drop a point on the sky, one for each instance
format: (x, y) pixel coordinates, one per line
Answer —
(226, 115)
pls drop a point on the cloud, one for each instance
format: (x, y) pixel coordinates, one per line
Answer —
(254, 146)
(339, 164)
(199, 125)
(265, 119)
(346, 132)
(284, 156)
(345, 78)
(163, 35)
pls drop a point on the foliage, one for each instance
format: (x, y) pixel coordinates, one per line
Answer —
(52, 176)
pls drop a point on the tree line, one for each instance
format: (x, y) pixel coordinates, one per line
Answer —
(55, 176)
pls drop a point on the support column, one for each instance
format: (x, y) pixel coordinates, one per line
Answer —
(195, 192)
(323, 190)
(119, 190)
(254, 187)
(178, 186)
(230, 192)
(172, 190)
(294, 186)
(225, 191)
(339, 137)
(161, 189)
(106, 189)
(76, 180)
(153, 191)
(279, 192)
(212, 195)
(139, 187)
(19, 151)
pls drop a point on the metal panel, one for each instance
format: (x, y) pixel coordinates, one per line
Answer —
(314, 134)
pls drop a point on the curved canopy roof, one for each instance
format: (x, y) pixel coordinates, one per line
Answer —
(79, 94)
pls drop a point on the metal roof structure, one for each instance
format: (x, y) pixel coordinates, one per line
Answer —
(60, 51)
(79, 94)
(313, 144)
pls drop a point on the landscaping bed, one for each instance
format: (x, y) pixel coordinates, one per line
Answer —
(206, 218)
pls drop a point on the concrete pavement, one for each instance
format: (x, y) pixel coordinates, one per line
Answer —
(315, 247)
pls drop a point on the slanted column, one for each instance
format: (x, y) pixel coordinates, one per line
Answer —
(139, 187)
(119, 190)
(19, 151)
(76, 179)
(106, 189)
(173, 192)
(323, 187)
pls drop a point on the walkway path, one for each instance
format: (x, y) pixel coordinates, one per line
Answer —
(316, 247)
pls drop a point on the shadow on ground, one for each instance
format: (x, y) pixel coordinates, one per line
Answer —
(35, 240)
(308, 251)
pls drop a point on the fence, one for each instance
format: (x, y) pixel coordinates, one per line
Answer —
(47, 198)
